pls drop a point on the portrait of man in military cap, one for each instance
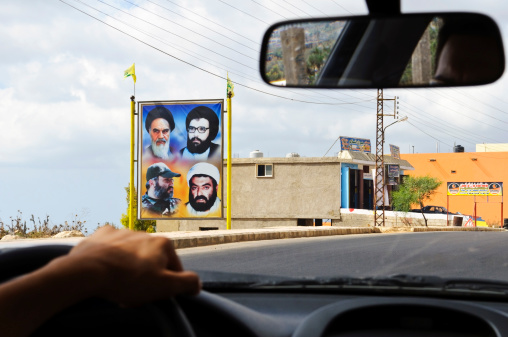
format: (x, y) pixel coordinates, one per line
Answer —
(158, 200)
(159, 124)
(203, 180)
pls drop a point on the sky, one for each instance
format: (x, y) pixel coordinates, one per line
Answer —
(64, 105)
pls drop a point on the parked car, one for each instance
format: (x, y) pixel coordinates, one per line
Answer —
(432, 209)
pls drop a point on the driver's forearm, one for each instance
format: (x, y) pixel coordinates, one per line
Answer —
(30, 300)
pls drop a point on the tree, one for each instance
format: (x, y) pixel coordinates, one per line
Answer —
(414, 190)
(139, 225)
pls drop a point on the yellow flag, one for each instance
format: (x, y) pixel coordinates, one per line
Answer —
(130, 72)
(230, 88)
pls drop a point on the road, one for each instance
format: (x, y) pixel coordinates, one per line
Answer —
(445, 254)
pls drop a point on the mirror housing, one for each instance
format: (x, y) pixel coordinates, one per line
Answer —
(409, 50)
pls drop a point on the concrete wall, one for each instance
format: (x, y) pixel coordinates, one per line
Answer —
(365, 218)
(304, 188)
(194, 225)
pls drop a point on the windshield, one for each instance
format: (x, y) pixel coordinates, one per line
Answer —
(302, 159)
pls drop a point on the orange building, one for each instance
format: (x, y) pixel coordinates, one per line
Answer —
(465, 167)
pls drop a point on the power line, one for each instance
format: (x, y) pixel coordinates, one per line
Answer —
(458, 112)
(419, 129)
(335, 2)
(271, 10)
(195, 66)
(296, 8)
(224, 69)
(469, 106)
(206, 27)
(439, 120)
(320, 11)
(252, 16)
(482, 102)
(284, 8)
(218, 24)
(183, 38)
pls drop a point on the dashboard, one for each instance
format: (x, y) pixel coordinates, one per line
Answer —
(310, 314)
(273, 311)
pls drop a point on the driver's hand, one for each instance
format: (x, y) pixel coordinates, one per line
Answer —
(132, 268)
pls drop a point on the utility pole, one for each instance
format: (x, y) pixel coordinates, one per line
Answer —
(379, 189)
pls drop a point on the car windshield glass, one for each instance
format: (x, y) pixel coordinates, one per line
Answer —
(324, 183)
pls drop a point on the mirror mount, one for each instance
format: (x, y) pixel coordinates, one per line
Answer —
(376, 7)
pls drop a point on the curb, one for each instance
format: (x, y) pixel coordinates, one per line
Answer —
(199, 239)
(217, 237)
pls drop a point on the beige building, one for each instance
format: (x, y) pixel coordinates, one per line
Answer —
(492, 147)
(270, 192)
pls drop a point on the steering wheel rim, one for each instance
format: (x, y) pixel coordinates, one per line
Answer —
(167, 316)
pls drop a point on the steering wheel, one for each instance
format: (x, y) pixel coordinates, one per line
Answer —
(96, 316)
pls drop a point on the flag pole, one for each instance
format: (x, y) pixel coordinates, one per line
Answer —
(131, 189)
(131, 71)
(228, 222)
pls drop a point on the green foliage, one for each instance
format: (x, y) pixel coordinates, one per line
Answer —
(414, 191)
(315, 61)
(139, 225)
(275, 73)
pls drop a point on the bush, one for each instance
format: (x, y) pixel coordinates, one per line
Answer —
(41, 228)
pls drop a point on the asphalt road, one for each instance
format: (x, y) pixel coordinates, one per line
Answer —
(446, 254)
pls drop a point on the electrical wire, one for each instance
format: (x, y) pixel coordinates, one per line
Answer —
(448, 108)
(335, 2)
(284, 8)
(256, 80)
(440, 121)
(197, 67)
(252, 16)
(320, 11)
(167, 31)
(297, 8)
(419, 129)
(271, 10)
(215, 23)
(199, 24)
(466, 105)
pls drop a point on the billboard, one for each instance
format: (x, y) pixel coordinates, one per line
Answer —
(395, 151)
(475, 188)
(180, 159)
(354, 144)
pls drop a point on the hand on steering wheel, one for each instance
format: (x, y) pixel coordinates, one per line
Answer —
(123, 267)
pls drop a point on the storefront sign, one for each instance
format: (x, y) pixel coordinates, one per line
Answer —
(355, 144)
(395, 151)
(475, 188)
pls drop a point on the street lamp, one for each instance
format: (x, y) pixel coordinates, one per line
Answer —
(403, 119)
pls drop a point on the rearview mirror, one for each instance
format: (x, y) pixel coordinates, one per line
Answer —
(410, 50)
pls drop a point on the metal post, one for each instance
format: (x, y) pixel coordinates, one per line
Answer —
(379, 195)
(228, 222)
(131, 187)
(447, 209)
(475, 210)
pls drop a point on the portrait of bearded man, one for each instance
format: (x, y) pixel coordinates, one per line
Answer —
(159, 124)
(202, 125)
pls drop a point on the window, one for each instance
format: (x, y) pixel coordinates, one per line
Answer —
(264, 170)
